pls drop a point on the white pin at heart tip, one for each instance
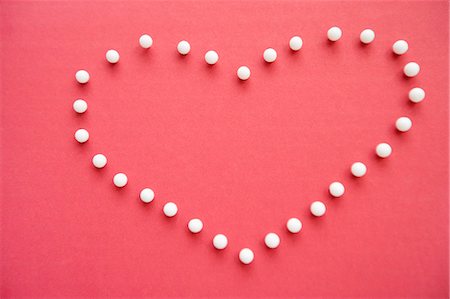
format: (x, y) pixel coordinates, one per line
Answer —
(246, 256)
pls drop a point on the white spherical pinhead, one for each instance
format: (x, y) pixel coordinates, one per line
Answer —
(195, 226)
(411, 69)
(183, 47)
(416, 95)
(358, 169)
(246, 256)
(81, 135)
(272, 240)
(295, 43)
(318, 208)
(336, 189)
(400, 47)
(170, 209)
(147, 195)
(383, 150)
(112, 56)
(82, 76)
(99, 161)
(294, 225)
(211, 57)
(367, 36)
(334, 33)
(243, 73)
(120, 180)
(403, 124)
(80, 106)
(145, 41)
(220, 241)
(270, 55)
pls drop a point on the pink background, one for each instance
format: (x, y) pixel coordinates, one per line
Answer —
(244, 157)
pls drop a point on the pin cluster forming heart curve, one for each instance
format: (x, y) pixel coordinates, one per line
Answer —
(317, 208)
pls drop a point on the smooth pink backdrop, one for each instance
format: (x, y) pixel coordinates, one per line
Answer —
(243, 157)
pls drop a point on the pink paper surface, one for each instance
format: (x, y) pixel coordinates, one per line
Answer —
(242, 156)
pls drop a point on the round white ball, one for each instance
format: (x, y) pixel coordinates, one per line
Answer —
(170, 209)
(411, 69)
(195, 226)
(358, 169)
(220, 241)
(243, 73)
(295, 43)
(211, 57)
(81, 135)
(336, 189)
(334, 34)
(270, 55)
(272, 240)
(294, 225)
(99, 160)
(112, 56)
(383, 150)
(145, 41)
(416, 95)
(400, 47)
(367, 36)
(403, 124)
(120, 180)
(246, 256)
(80, 106)
(183, 47)
(82, 76)
(147, 195)
(318, 208)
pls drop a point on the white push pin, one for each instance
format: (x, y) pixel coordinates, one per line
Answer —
(416, 95)
(383, 150)
(120, 180)
(183, 47)
(80, 106)
(295, 43)
(294, 225)
(145, 41)
(318, 208)
(270, 55)
(195, 225)
(246, 256)
(112, 56)
(411, 69)
(403, 124)
(334, 33)
(243, 73)
(358, 169)
(211, 57)
(336, 189)
(170, 209)
(400, 47)
(220, 241)
(82, 76)
(272, 240)
(367, 36)
(99, 161)
(147, 195)
(81, 135)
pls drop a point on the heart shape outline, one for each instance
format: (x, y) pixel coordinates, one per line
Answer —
(243, 82)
